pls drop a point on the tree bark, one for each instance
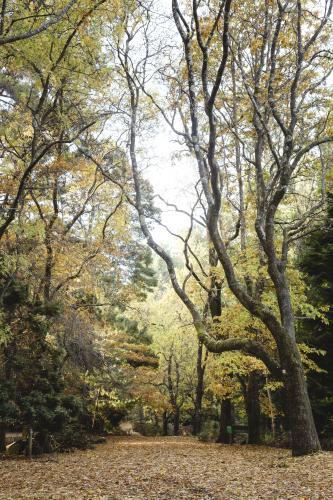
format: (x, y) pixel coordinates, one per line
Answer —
(271, 410)
(225, 421)
(199, 391)
(48, 268)
(252, 406)
(176, 421)
(303, 431)
(165, 423)
(2, 437)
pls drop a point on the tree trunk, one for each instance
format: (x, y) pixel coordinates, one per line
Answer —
(225, 421)
(197, 424)
(157, 423)
(176, 421)
(48, 265)
(165, 423)
(271, 411)
(2, 437)
(252, 406)
(199, 392)
(30, 436)
(303, 431)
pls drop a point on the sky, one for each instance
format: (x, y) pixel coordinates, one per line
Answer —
(173, 178)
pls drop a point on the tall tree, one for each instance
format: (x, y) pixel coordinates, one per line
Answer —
(284, 141)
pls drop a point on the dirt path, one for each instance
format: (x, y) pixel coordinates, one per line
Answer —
(169, 468)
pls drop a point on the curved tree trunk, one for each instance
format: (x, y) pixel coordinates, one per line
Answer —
(305, 439)
(304, 435)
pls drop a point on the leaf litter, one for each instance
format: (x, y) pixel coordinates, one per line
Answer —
(168, 468)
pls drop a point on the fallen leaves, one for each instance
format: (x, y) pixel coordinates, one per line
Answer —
(127, 468)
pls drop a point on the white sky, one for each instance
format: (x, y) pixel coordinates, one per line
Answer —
(173, 178)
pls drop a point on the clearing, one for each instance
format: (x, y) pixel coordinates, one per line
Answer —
(169, 468)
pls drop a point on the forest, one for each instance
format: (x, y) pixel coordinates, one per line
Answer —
(166, 248)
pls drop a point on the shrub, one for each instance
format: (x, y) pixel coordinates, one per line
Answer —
(209, 432)
(146, 428)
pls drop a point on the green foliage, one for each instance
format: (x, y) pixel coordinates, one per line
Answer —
(210, 431)
(143, 276)
(9, 409)
(146, 428)
(316, 261)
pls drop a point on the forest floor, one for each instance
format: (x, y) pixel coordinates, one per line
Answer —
(167, 469)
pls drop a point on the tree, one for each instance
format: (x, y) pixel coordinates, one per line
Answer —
(172, 335)
(276, 119)
(11, 15)
(72, 260)
(42, 109)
